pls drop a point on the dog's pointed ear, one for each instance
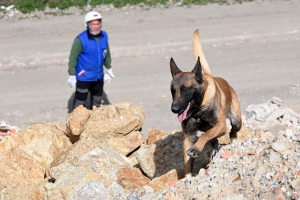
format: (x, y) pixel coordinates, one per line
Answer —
(174, 69)
(198, 71)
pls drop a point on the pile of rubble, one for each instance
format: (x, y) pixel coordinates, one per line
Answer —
(263, 163)
(273, 113)
(101, 154)
(261, 167)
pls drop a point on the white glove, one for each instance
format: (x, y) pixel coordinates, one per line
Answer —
(107, 78)
(110, 73)
(72, 81)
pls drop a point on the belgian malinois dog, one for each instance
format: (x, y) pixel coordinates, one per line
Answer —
(203, 103)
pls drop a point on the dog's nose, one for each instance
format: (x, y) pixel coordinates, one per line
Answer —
(175, 107)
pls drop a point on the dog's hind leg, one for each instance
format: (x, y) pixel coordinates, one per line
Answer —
(235, 117)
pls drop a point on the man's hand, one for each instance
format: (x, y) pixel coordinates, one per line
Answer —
(72, 81)
(109, 75)
(107, 78)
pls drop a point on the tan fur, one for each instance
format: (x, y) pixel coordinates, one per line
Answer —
(198, 52)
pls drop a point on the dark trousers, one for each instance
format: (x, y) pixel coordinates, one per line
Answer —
(82, 90)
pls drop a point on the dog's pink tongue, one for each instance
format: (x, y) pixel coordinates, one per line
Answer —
(182, 116)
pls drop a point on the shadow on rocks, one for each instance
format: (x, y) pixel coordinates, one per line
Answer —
(88, 104)
(168, 155)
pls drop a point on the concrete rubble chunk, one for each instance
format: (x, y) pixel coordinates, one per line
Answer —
(131, 179)
(134, 110)
(43, 142)
(154, 135)
(77, 119)
(116, 126)
(262, 116)
(125, 144)
(86, 149)
(24, 191)
(121, 118)
(87, 162)
(162, 182)
(17, 167)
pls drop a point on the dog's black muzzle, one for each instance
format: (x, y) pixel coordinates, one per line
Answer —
(175, 107)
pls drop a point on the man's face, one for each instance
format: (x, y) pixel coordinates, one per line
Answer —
(95, 26)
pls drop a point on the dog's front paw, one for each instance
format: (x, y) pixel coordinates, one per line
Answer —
(193, 152)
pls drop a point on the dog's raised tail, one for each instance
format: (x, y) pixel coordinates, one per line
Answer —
(198, 52)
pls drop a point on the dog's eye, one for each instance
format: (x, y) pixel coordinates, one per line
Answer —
(183, 89)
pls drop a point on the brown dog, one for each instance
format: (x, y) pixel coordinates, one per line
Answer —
(202, 103)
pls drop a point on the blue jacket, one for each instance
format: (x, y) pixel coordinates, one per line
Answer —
(90, 62)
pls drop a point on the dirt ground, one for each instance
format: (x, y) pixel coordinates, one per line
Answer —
(255, 46)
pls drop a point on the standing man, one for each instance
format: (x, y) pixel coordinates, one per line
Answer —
(90, 51)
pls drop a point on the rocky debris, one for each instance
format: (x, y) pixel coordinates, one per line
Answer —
(265, 119)
(42, 163)
(131, 178)
(115, 125)
(54, 164)
(24, 191)
(19, 168)
(155, 135)
(259, 168)
(121, 118)
(89, 167)
(259, 164)
(158, 158)
(271, 114)
(162, 182)
(27, 154)
(7, 130)
(41, 141)
(76, 121)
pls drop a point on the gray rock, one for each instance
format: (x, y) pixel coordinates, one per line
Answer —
(272, 157)
(279, 146)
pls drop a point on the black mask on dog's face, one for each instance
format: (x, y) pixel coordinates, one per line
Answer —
(186, 90)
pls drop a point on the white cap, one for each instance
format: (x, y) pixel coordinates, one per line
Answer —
(92, 15)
